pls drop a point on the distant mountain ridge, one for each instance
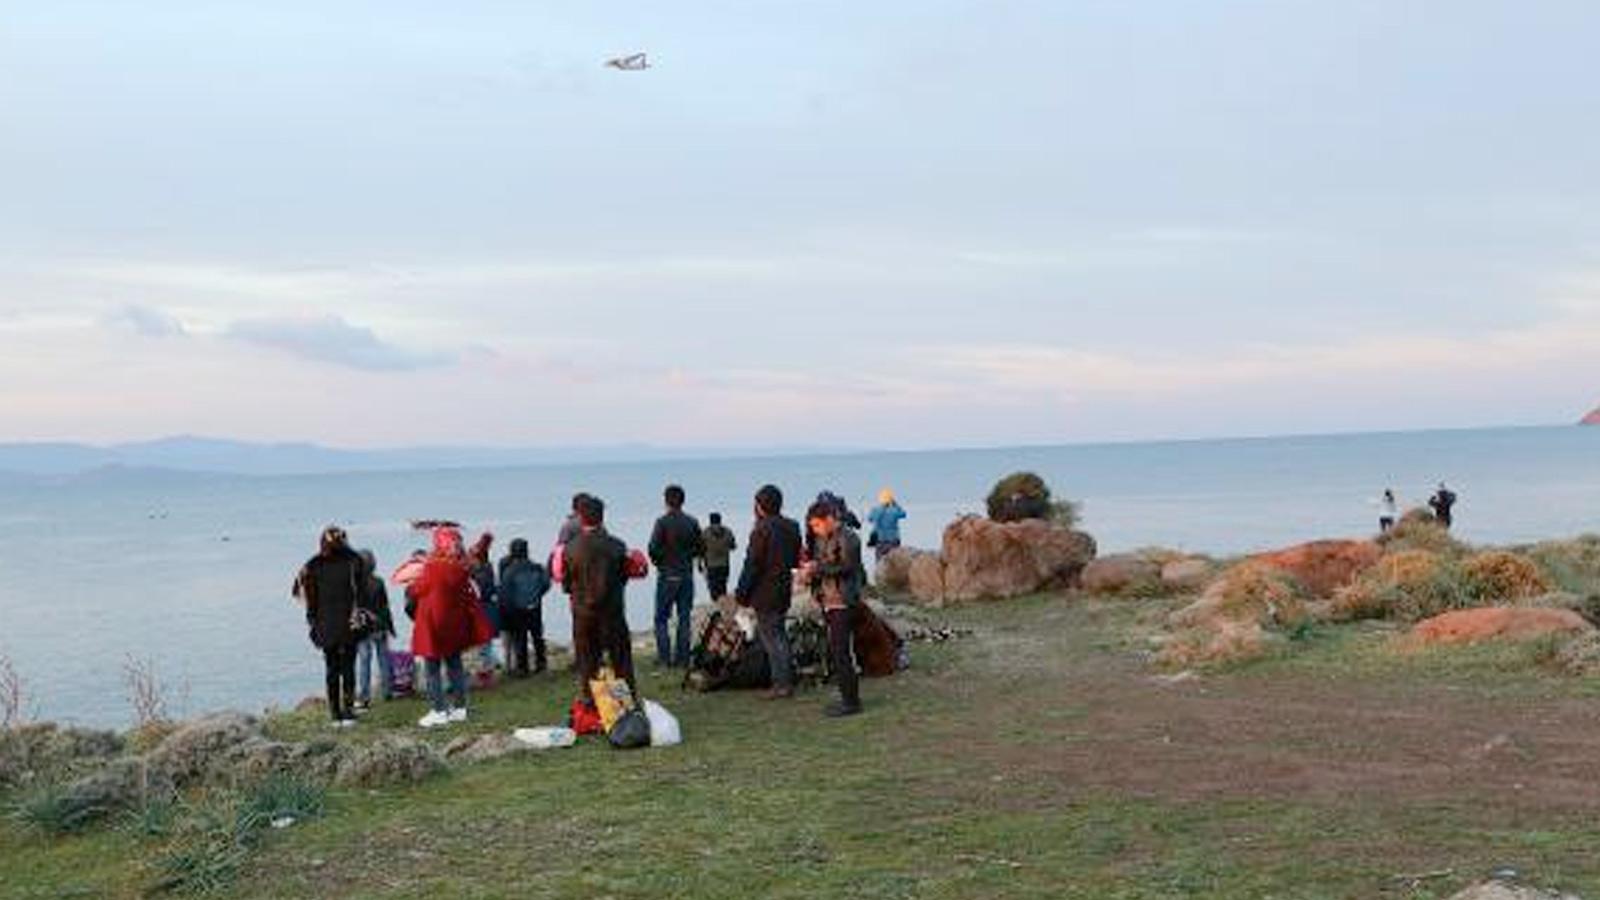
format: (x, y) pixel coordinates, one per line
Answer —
(219, 456)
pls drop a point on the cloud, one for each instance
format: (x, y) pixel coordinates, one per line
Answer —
(331, 339)
(147, 321)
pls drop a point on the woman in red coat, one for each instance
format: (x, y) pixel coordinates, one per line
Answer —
(449, 620)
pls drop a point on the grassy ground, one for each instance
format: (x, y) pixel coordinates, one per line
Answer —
(1038, 758)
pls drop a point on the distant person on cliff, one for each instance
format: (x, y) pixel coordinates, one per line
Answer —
(717, 563)
(676, 544)
(595, 574)
(1443, 504)
(834, 575)
(766, 583)
(523, 584)
(331, 583)
(1388, 511)
(885, 520)
(380, 628)
(449, 621)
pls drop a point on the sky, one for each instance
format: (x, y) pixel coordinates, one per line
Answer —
(897, 224)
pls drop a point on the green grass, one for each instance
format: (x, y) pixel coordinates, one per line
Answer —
(931, 794)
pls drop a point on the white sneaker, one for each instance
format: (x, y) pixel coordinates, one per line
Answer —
(459, 714)
(434, 719)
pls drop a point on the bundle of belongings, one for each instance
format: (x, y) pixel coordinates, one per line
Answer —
(612, 710)
(728, 656)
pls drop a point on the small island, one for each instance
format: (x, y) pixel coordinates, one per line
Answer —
(1593, 418)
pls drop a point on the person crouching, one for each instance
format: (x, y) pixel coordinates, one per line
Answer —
(834, 573)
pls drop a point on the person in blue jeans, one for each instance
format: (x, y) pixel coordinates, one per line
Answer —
(375, 600)
(675, 544)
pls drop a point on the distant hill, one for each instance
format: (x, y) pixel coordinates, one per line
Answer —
(1592, 418)
(199, 454)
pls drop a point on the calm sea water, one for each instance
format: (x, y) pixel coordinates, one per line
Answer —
(193, 571)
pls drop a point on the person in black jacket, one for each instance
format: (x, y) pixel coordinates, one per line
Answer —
(331, 584)
(766, 583)
(675, 544)
(835, 576)
(1443, 503)
(523, 584)
(377, 628)
(596, 578)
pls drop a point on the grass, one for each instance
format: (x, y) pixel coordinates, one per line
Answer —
(963, 780)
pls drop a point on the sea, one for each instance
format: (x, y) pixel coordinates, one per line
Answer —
(190, 574)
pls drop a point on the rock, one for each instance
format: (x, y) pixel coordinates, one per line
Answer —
(1580, 656)
(926, 578)
(985, 560)
(389, 760)
(471, 749)
(42, 748)
(1593, 418)
(1184, 575)
(1119, 573)
(1511, 623)
(1322, 567)
(1247, 592)
(1499, 890)
(894, 570)
(202, 750)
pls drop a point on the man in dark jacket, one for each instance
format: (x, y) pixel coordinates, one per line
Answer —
(717, 562)
(675, 545)
(332, 585)
(523, 584)
(596, 579)
(766, 583)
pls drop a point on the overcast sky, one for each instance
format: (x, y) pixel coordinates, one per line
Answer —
(897, 224)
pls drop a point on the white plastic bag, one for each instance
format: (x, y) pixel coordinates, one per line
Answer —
(746, 620)
(549, 737)
(664, 731)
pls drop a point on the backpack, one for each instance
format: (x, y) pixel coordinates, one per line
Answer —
(523, 587)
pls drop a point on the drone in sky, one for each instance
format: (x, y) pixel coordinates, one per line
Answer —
(633, 63)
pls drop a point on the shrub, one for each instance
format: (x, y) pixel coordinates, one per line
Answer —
(1410, 585)
(1419, 530)
(1498, 575)
(283, 795)
(1574, 565)
(13, 695)
(52, 807)
(1024, 495)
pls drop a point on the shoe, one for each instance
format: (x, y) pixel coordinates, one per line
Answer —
(458, 714)
(343, 723)
(361, 707)
(779, 693)
(434, 719)
(838, 709)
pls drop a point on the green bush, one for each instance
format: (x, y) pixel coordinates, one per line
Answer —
(1024, 495)
(55, 808)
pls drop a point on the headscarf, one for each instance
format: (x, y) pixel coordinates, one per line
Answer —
(886, 496)
(447, 541)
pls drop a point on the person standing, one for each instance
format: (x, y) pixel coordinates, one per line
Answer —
(1388, 511)
(885, 519)
(595, 575)
(380, 628)
(719, 545)
(449, 621)
(1443, 504)
(675, 545)
(488, 599)
(523, 584)
(331, 584)
(766, 583)
(834, 575)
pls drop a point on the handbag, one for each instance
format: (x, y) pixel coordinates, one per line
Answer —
(631, 730)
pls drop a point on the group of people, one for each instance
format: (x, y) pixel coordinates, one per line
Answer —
(1441, 504)
(459, 602)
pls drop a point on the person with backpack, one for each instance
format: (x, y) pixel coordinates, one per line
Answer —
(719, 544)
(523, 584)
(1443, 503)
(488, 598)
(675, 545)
(834, 574)
(379, 628)
(449, 621)
(885, 519)
(332, 583)
(595, 572)
(766, 583)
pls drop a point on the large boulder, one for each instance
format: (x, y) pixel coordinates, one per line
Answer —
(1507, 623)
(1190, 573)
(925, 578)
(987, 560)
(1499, 890)
(1120, 573)
(1322, 567)
(894, 570)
